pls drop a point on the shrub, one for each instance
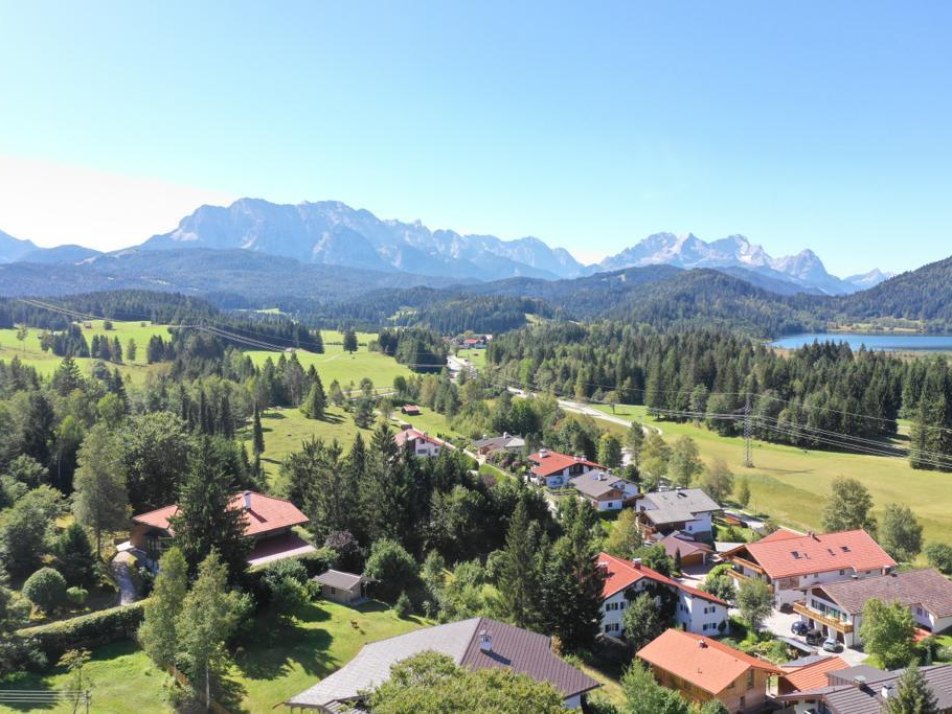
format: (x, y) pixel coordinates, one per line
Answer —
(77, 596)
(392, 569)
(403, 608)
(940, 557)
(46, 589)
(86, 631)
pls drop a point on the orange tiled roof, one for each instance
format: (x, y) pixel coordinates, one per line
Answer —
(266, 514)
(813, 676)
(789, 556)
(553, 462)
(411, 434)
(622, 574)
(703, 662)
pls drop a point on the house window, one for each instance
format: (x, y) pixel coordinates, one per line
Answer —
(750, 679)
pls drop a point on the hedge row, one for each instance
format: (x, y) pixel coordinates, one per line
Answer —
(86, 631)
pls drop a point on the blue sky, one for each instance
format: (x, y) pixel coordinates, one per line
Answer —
(591, 125)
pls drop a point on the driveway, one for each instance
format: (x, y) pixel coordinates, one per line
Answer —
(779, 624)
(122, 566)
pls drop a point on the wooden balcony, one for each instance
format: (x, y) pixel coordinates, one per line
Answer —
(837, 624)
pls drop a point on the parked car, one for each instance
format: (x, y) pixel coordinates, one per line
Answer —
(813, 637)
(799, 628)
(831, 645)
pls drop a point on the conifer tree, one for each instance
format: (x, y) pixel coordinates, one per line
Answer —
(257, 442)
(315, 403)
(205, 520)
(913, 694)
(519, 575)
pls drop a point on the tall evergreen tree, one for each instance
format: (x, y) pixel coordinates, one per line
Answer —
(257, 441)
(315, 402)
(205, 520)
(519, 573)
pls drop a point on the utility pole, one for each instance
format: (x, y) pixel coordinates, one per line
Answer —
(748, 460)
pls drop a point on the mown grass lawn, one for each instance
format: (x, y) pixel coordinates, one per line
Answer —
(278, 661)
(284, 660)
(45, 363)
(430, 421)
(476, 357)
(124, 681)
(792, 485)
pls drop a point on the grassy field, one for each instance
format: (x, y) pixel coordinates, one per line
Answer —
(792, 484)
(343, 366)
(323, 637)
(279, 661)
(30, 353)
(124, 681)
(475, 357)
(286, 429)
(428, 420)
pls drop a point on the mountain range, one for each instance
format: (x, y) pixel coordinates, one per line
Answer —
(331, 233)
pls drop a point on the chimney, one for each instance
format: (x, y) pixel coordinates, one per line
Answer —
(860, 682)
(247, 495)
(543, 453)
(485, 641)
(636, 562)
(886, 691)
(702, 645)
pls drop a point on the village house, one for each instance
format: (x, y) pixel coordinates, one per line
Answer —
(792, 563)
(268, 524)
(694, 610)
(345, 588)
(604, 491)
(692, 553)
(506, 442)
(701, 669)
(410, 410)
(476, 643)
(552, 469)
(419, 442)
(864, 690)
(837, 608)
(682, 509)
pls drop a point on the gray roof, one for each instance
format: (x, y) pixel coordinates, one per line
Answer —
(512, 648)
(596, 484)
(849, 698)
(927, 587)
(506, 441)
(678, 505)
(339, 579)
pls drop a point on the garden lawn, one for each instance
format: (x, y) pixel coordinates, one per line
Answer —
(476, 357)
(283, 660)
(792, 485)
(345, 367)
(430, 421)
(123, 679)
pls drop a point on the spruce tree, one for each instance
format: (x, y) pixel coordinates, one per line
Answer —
(519, 577)
(315, 403)
(257, 443)
(913, 694)
(205, 520)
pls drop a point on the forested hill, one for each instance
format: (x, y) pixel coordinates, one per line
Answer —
(923, 294)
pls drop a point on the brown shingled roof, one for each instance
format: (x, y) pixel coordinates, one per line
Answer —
(927, 587)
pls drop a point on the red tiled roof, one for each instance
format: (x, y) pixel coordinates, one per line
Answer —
(813, 676)
(780, 534)
(553, 462)
(703, 662)
(789, 556)
(621, 575)
(265, 515)
(411, 434)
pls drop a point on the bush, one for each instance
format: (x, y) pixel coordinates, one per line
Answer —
(403, 608)
(46, 589)
(86, 631)
(392, 570)
(77, 596)
(940, 557)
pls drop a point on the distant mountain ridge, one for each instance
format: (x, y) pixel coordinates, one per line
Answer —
(334, 234)
(804, 270)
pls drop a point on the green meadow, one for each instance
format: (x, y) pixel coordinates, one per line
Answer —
(792, 485)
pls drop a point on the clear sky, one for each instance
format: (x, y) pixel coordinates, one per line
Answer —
(591, 125)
